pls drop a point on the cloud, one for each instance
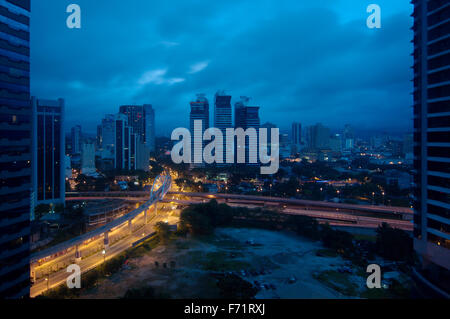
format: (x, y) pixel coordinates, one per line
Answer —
(198, 67)
(308, 61)
(158, 77)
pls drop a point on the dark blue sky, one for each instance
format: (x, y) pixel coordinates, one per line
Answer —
(306, 61)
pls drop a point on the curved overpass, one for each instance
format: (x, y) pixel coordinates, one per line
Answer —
(400, 212)
(155, 196)
(337, 214)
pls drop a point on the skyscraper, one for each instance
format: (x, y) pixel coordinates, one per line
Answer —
(432, 144)
(319, 137)
(348, 137)
(199, 112)
(248, 117)
(142, 119)
(149, 122)
(296, 133)
(136, 118)
(296, 137)
(15, 148)
(88, 158)
(121, 142)
(222, 116)
(130, 152)
(76, 137)
(108, 138)
(48, 151)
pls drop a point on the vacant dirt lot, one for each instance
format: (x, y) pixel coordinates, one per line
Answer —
(281, 264)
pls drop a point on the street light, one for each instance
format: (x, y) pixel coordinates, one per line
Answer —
(104, 255)
(47, 280)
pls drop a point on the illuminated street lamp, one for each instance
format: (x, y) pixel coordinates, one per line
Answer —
(47, 280)
(104, 255)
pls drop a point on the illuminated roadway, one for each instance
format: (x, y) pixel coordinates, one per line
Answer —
(336, 214)
(121, 236)
(113, 238)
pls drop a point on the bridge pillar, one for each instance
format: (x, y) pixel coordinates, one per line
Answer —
(106, 239)
(77, 254)
(145, 216)
(130, 226)
(156, 208)
(33, 275)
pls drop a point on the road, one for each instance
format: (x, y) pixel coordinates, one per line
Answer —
(335, 215)
(59, 277)
(120, 238)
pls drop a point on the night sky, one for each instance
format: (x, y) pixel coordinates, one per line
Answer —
(306, 61)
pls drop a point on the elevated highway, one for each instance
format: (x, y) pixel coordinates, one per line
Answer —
(338, 214)
(63, 252)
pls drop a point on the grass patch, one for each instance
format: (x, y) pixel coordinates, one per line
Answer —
(221, 261)
(326, 253)
(338, 281)
(370, 238)
(228, 243)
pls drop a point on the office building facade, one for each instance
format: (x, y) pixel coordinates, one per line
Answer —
(130, 152)
(319, 137)
(432, 144)
(296, 133)
(48, 151)
(88, 158)
(121, 142)
(107, 138)
(248, 117)
(77, 139)
(149, 122)
(15, 148)
(142, 119)
(222, 117)
(199, 112)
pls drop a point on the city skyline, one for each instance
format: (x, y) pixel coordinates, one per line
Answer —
(184, 61)
(333, 181)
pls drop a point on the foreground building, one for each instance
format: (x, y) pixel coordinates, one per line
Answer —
(432, 144)
(15, 148)
(48, 152)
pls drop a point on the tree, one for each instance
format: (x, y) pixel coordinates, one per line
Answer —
(162, 231)
(201, 219)
(394, 244)
(194, 222)
(305, 226)
(338, 240)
